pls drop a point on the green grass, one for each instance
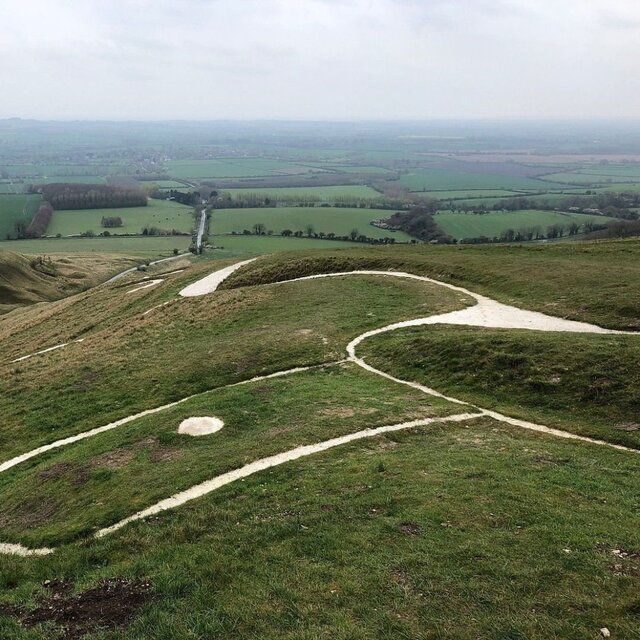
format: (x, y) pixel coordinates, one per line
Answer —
(247, 246)
(586, 384)
(163, 214)
(324, 219)
(468, 225)
(261, 419)
(470, 530)
(596, 282)
(129, 362)
(144, 247)
(461, 531)
(16, 208)
(326, 194)
(448, 180)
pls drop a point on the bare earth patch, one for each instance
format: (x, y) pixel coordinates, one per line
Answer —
(112, 604)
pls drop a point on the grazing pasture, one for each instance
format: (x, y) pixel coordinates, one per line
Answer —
(337, 220)
(162, 214)
(468, 225)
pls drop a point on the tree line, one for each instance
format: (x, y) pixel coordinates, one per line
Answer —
(90, 196)
(260, 229)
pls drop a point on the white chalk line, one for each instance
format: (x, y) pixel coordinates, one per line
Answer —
(146, 285)
(9, 464)
(486, 313)
(38, 353)
(208, 486)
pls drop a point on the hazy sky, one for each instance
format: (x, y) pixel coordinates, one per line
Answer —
(315, 59)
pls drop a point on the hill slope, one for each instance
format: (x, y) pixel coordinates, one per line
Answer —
(29, 279)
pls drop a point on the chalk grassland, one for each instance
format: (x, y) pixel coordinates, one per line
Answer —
(16, 208)
(468, 225)
(444, 179)
(162, 214)
(242, 334)
(324, 219)
(582, 383)
(325, 194)
(597, 282)
(22, 282)
(259, 422)
(391, 537)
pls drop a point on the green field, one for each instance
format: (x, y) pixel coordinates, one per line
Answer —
(232, 168)
(449, 180)
(579, 177)
(141, 246)
(473, 193)
(470, 225)
(324, 219)
(163, 214)
(16, 208)
(166, 184)
(239, 246)
(325, 194)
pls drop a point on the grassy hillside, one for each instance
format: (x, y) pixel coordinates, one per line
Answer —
(587, 384)
(469, 529)
(25, 279)
(595, 282)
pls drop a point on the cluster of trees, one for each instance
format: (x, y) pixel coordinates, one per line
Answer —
(90, 196)
(418, 222)
(156, 231)
(111, 222)
(39, 223)
(617, 229)
(190, 198)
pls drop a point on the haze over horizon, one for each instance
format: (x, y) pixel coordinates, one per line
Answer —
(320, 59)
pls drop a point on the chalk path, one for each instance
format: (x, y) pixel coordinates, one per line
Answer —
(485, 313)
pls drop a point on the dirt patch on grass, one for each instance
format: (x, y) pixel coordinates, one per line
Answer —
(165, 455)
(344, 412)
(628, 426)
(112, 604)
(30, 513)
(410, 528)
(116, 459)
(76, 474)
